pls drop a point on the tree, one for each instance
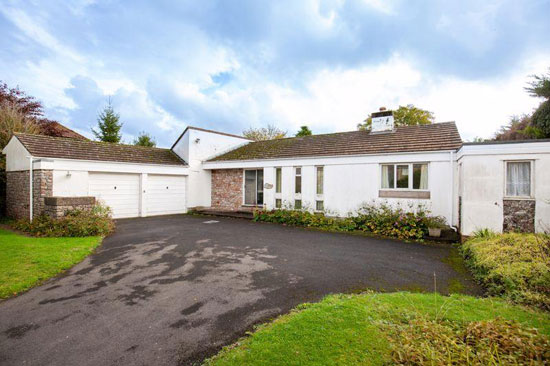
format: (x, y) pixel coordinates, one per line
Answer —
(144, 139)
(540, 88)
(13, 119)
(264, 133)
(108, 125)
(519, 128)
(26, 105)
(304, 131)
(408, 115)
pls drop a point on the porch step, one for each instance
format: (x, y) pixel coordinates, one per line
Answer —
(241, 214)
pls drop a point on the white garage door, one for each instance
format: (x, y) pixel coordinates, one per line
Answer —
(118, 191)
(165, 194)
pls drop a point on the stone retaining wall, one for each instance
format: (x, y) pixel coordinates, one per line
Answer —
(57, 207)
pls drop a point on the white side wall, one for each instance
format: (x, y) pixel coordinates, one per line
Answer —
(16, 156)
(351, 181)
(197, 146)
(482, 185)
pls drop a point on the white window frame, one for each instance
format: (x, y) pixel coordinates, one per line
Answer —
(319, 197)
(411, 177)
(531, 179)
(298, 196)
(278, 195)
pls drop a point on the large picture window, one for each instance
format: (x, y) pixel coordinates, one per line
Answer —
(398, 176)
(518, 179)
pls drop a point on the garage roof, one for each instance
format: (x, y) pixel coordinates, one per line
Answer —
(433, 137)
(67, 148)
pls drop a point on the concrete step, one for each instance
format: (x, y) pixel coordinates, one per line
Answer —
(241, 214)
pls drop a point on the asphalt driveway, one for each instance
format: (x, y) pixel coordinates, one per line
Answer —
(173, 290)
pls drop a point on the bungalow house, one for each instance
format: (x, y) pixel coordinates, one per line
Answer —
(500, 186)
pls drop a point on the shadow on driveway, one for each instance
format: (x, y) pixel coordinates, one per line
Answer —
(173, 290)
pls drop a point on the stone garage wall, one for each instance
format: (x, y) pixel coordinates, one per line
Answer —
(227, 188)
(519, 215)
(56, 207)
(17, 192)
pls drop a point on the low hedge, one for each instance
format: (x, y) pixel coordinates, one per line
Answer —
(514, 266)
(380, 220)
(75, 223)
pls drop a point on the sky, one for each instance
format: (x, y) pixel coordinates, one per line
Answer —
(230, 65)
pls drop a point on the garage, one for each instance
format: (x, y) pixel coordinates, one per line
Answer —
(165, 194)
(121, 192)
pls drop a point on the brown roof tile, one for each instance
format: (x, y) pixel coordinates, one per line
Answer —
(67, 148)
(434, 137)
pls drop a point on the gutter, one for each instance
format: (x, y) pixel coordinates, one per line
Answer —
(31, 203)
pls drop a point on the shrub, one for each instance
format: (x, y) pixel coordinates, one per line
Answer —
(484, 233)
(428, 342)
(75, 223)
(515, 266)
(375, 219)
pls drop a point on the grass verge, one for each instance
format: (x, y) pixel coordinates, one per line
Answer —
(514, 266)
(396, 328)
(27, 261)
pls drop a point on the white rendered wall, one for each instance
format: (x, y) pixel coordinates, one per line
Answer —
(17, 157)
(351, 181)
(483, 183)
(194, 147)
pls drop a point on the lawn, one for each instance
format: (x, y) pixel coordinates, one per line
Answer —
(396, 328)
(27, 261)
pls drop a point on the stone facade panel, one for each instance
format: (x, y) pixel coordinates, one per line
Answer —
(17, 192)
(227, 188)
(519, 216)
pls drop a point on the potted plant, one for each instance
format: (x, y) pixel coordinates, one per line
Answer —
(435, 224)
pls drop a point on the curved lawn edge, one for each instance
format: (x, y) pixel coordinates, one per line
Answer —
(27, 262)
(351, 329)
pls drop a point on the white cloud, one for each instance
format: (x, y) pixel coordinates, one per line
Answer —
(384, 6)
(338, 100)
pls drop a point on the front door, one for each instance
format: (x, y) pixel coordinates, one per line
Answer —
(254, 187)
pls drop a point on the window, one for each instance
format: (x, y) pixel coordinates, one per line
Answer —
(319, 205)
(420, 176)
(278, 179)
(402, 176)
(398, 176)
(518, 179)
(278, 203)
(320, 180)
(298, 204)
(388, 174)
(298, 182)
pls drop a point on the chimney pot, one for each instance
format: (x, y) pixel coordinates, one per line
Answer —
(382, 109)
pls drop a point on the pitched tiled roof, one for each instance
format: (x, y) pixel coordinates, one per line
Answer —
(434, 137)
(67, 148)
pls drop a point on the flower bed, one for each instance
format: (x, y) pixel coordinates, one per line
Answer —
(380, 220)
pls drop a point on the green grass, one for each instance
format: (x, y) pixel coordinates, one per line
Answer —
(355, 329)
(27, 261)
